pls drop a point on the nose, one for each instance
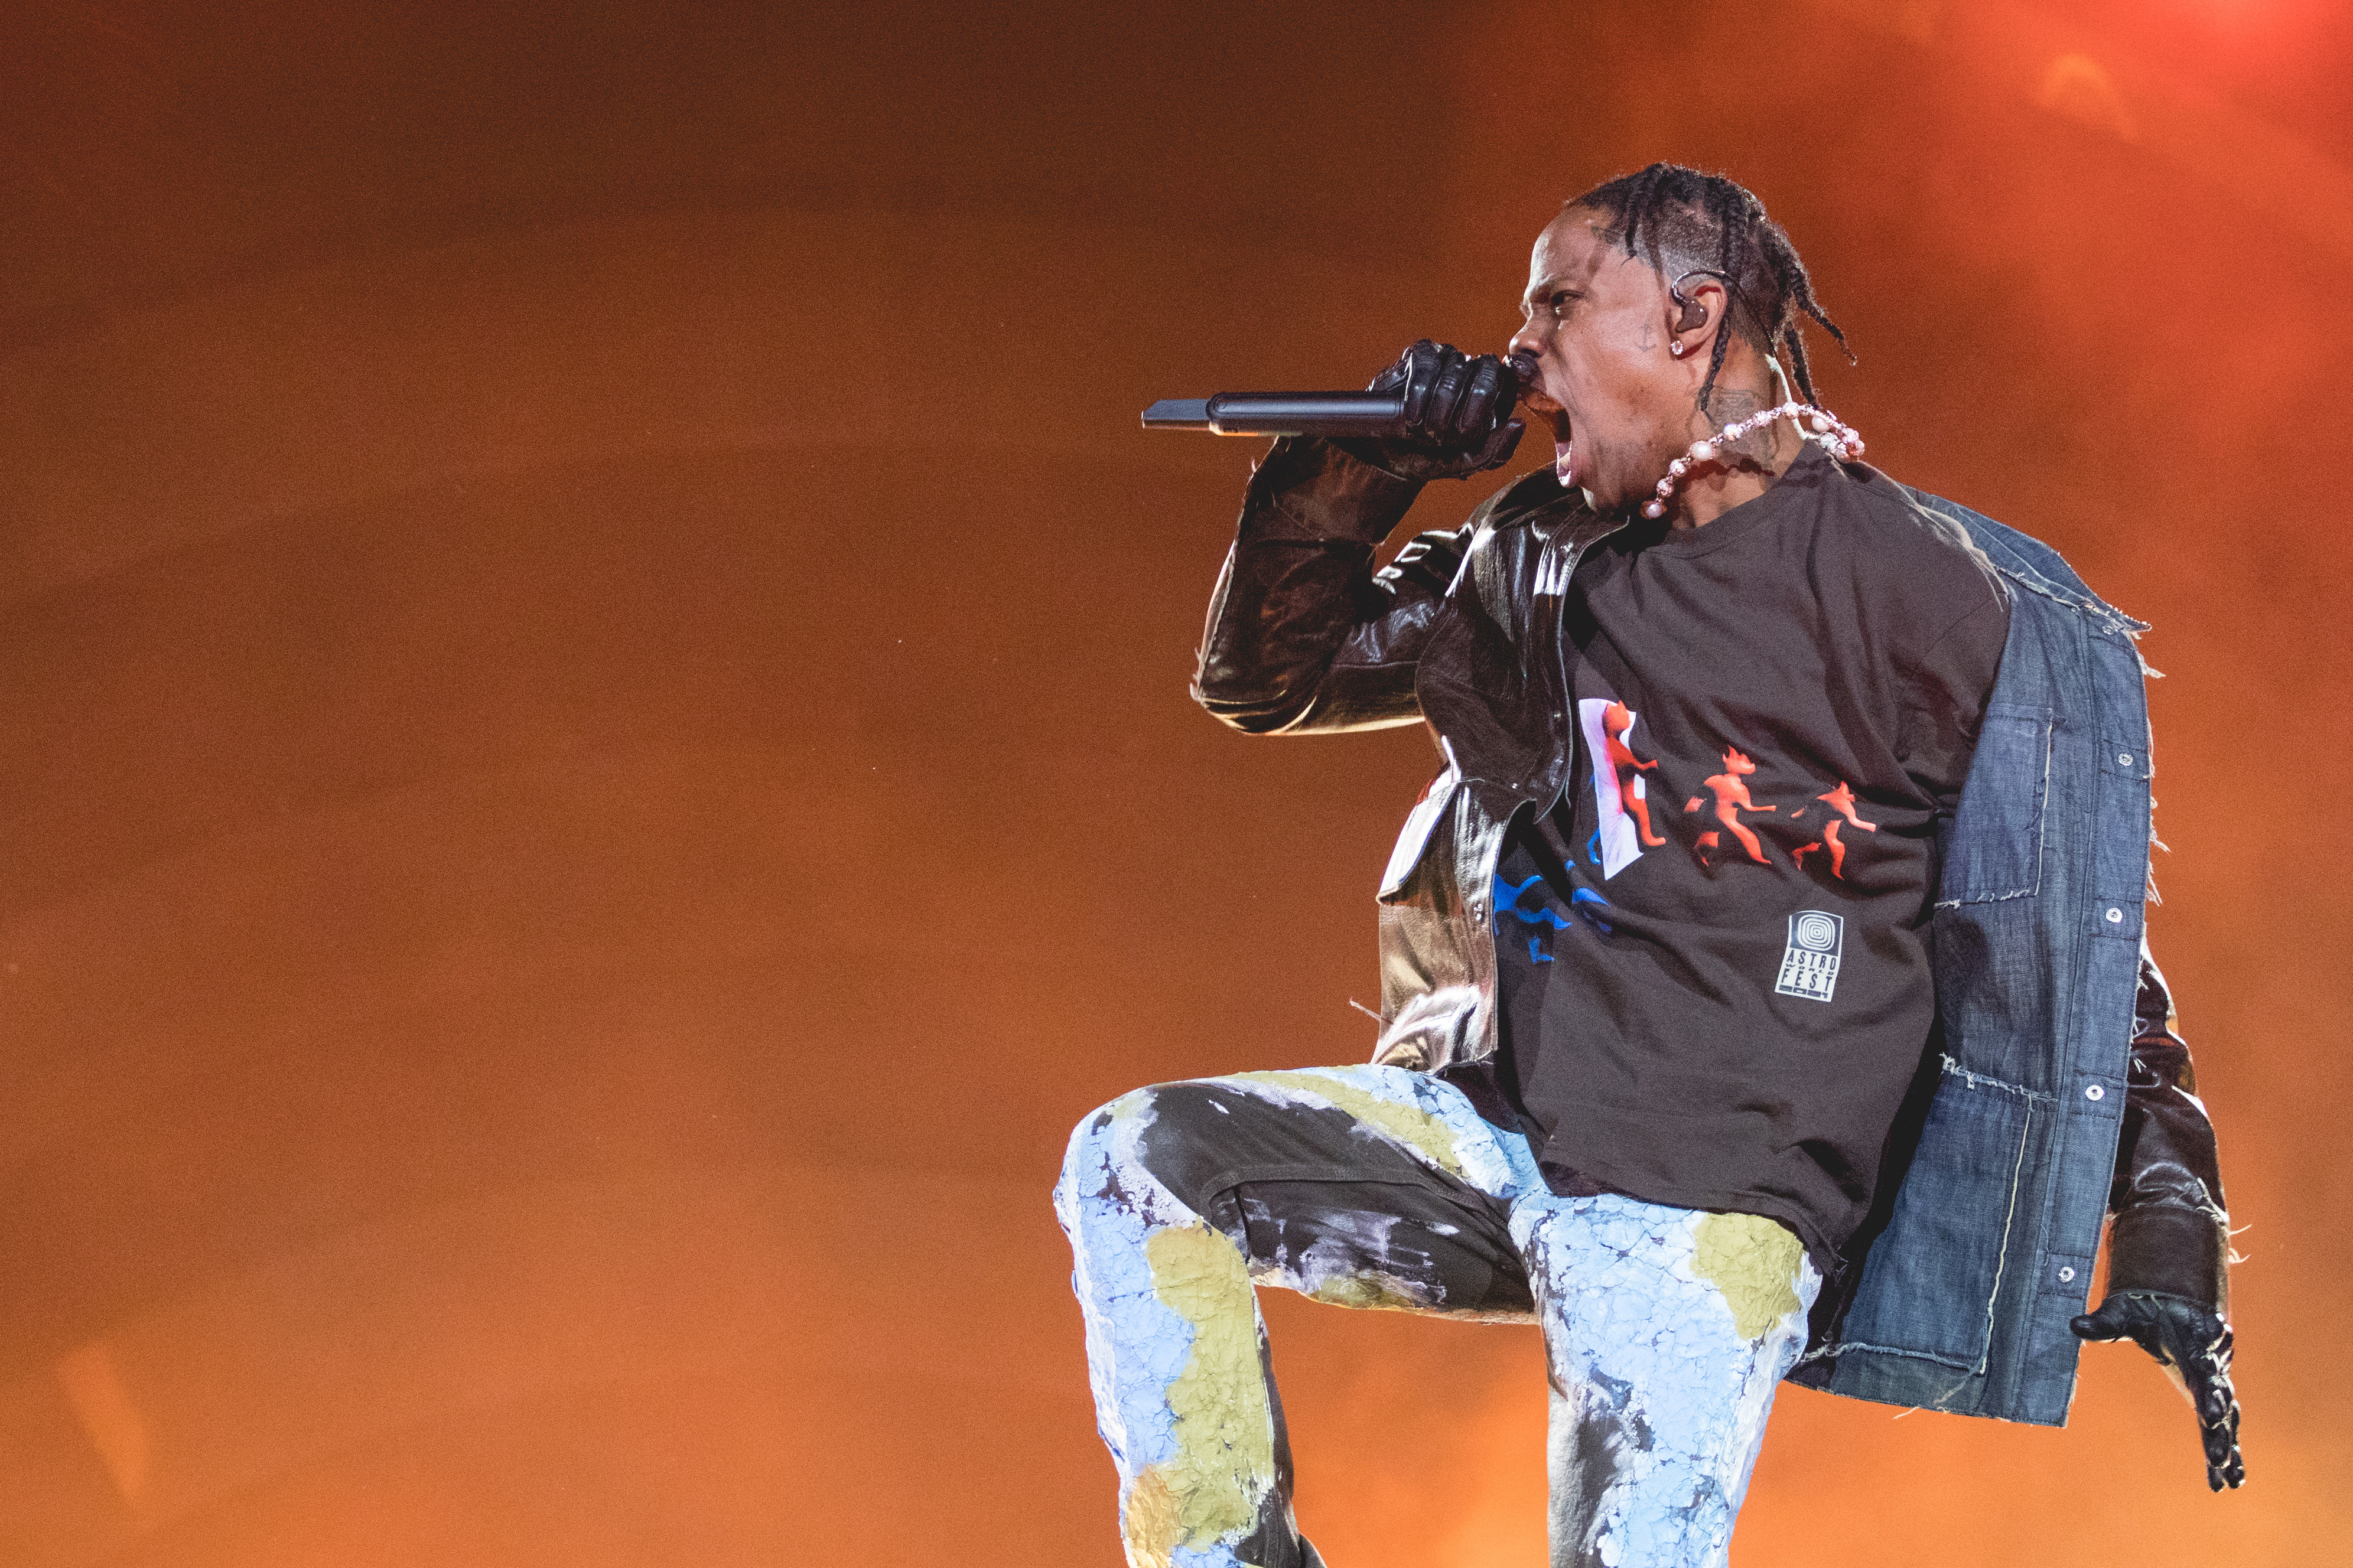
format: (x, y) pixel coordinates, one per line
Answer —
(1524, 345)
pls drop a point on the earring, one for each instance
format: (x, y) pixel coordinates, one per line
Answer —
(1676, 350)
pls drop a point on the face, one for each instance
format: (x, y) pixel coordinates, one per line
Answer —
(1598, 323)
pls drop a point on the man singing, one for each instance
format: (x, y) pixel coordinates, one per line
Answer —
(1764, 993)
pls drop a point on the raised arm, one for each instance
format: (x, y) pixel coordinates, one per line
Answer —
(1304, 635)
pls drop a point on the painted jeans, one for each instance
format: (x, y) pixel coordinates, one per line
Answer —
(1666, 1330)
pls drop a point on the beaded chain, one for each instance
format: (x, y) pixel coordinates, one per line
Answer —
(1837, 438)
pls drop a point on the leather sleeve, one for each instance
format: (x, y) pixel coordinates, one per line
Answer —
(1304, 635)
(2171, 1233)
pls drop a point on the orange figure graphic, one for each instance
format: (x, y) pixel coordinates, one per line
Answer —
(1842, 800)
(1617, 723)
(1731, 793)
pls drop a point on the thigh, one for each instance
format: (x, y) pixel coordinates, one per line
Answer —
(1361, 1187)
(1667, 1332)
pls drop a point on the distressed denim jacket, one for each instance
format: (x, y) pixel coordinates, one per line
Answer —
(2054, 1091)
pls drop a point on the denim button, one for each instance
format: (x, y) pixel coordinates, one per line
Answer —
(2095, 1092)
(2066, 1273)
(2115, 917)
(2123, 759)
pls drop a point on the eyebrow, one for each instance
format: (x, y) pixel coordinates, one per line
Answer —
(1555, 284)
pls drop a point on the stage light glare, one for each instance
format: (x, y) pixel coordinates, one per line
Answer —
(2078, 87)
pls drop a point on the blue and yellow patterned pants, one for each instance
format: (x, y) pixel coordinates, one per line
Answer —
(1667, 1331)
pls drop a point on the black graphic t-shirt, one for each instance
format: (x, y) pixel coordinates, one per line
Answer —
(1715, 987)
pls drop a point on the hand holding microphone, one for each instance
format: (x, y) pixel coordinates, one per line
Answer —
(1436, 413)
(1457, 416)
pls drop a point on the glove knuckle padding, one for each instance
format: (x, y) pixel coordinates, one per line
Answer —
(1494, 388)
(1446, 422)
(1428, 368)
(1479, 398)
(1428, 421)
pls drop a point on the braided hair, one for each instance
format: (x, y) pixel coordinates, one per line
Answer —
(1690, 222)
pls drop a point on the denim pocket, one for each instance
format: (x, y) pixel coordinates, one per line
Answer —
(1928, 1282)
(1995, 849)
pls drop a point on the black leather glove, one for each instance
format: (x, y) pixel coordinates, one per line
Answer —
(1457, 414)
(2193, 1343)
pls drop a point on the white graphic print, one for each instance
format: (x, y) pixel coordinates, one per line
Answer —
(1810, 963)
(1621, 803)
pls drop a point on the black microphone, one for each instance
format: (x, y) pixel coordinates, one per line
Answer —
(1375, 415)
(1366, 416)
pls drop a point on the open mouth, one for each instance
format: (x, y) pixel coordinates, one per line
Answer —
(1556, 418)
(1533, 401)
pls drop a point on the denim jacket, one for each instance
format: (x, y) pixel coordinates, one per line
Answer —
(2053, 1091)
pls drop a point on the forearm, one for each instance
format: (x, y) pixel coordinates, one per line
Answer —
(1299, 597)
(2171, 1232)
(2169, 1252)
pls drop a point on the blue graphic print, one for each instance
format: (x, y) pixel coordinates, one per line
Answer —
(1579, 900)
(1524, 902)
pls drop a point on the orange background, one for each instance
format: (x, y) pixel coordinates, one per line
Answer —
(595, 764)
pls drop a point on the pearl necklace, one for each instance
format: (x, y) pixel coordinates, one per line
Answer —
(1837, 438)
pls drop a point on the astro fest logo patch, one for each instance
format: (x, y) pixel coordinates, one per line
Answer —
(1810, 963)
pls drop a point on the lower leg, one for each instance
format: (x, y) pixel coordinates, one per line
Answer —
(1668, 1333)
(1176, 1354)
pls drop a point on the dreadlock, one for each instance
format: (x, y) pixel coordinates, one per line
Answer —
(1689, 222)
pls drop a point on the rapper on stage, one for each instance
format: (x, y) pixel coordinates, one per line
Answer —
(1764, 990)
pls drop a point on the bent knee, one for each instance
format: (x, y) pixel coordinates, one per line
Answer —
(1170, 1134)
(1094, 1140)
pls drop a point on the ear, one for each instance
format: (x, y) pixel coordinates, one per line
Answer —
(1695, 305)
